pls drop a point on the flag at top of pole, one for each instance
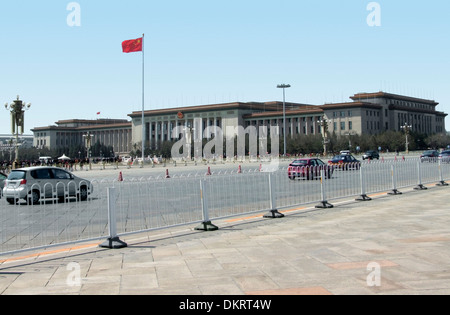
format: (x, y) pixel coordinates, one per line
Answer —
(135, 45)
(132, 45)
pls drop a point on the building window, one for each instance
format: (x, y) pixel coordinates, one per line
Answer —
(342, 125)
(350, 125)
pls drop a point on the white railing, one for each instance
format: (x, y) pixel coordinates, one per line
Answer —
(116, 208)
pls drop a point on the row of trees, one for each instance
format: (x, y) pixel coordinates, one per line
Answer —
(389, 141)
(98, 150)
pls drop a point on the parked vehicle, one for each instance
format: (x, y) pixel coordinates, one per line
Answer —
(345, 162)
(371, 154)
(444, 156)
(309, 168)
(36, 183)
(3, 176)
(429, 156)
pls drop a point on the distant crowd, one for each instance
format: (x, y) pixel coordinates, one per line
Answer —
(7, 165)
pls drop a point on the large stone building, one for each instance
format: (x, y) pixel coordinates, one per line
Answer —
(66, 133)
(366, 113)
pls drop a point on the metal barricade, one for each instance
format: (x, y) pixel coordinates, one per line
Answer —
(109, 209)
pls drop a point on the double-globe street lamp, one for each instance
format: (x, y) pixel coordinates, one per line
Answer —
(407, 128)
(88, 138)
(324, 128)
(17, 109)
(284, 87)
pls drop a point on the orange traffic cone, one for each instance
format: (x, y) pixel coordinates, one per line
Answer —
(239, 169)
(209, 171)
(120, 177)
(167, 173)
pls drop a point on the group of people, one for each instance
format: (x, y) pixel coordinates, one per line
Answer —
(69, 164)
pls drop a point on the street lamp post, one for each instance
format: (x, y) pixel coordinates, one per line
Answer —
(88, 137)
(407, 129)
(17, 110)
(324, 126)
(284, 87)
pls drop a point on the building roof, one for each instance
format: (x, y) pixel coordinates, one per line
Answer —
(84, 127)
(258, 106)
(362, 96)
(351, 105)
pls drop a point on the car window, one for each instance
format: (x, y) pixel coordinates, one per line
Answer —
(2, 177)
(15, 175)
(60, 174)
(44, 173)
(320, 162)
(300, 162)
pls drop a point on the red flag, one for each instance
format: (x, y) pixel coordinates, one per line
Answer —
(132, 45)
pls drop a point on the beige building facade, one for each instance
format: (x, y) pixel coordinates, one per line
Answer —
(365, 113)
(67, 133)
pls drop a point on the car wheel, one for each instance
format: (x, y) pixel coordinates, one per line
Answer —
(11, 201)
(33, 198)
(83, 195)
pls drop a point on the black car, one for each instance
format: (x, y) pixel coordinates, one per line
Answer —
(344, 162)
(444, 156)
(370, 155)
(430, 155)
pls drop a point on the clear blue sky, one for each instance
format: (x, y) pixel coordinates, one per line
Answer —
(200, 52)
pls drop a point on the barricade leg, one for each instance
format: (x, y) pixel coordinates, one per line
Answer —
(363, 196)
(206, 225)
(419, 175)
(273, 214)
(324, 203)
(113, 242)
(394, 190)
(441, 182)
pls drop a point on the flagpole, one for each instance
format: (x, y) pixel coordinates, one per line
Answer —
(143, 102)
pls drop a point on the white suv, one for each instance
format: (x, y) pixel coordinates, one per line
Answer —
(36, 183)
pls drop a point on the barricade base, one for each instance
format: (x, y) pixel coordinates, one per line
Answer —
(274, 214)
(113, 243)
(363, 198)
(420, 187)
(206, 226)
(324, 204)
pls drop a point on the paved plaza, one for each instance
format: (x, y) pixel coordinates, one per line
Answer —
(391, 245)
